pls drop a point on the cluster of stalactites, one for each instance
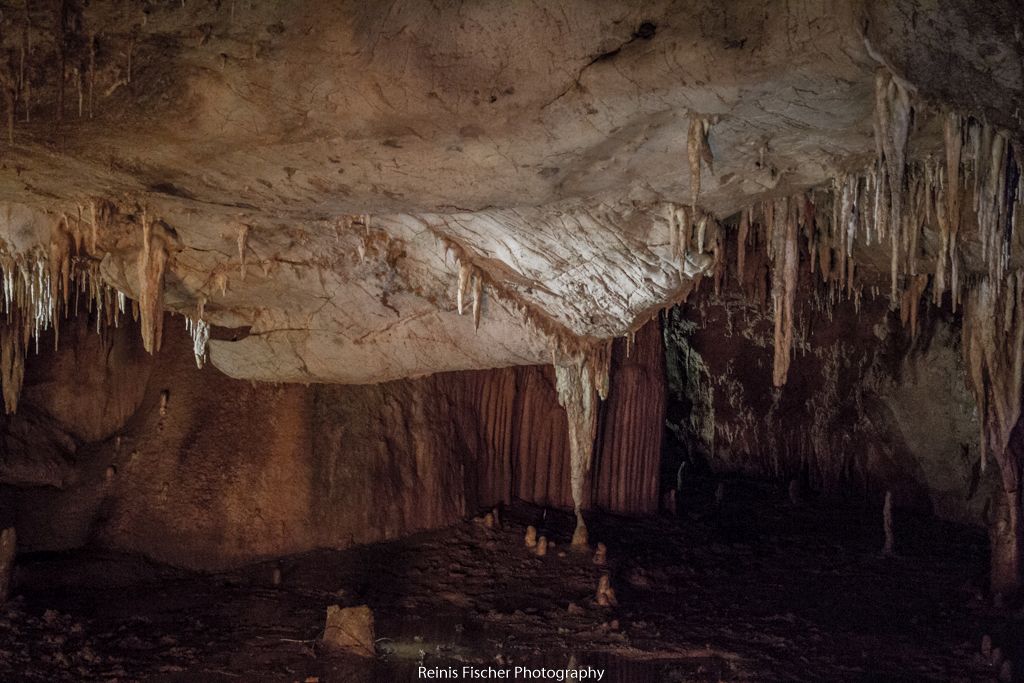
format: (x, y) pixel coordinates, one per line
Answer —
(900, 200)
(993, 348)
(580, 380)
(42, 287)
(777, 226)
(693, 231)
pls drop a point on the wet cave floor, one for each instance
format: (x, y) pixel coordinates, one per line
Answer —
(754, 589)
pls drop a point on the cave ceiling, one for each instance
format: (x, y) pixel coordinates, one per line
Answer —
(326, 177)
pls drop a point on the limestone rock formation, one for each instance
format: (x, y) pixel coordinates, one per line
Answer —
(367, 193)
(350, 629)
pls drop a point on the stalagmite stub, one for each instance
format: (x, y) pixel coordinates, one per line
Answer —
(601, 554)
(605, 593)
(531, 537)
(350, 629)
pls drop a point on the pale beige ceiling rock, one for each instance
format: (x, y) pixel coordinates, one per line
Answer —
(543, 143)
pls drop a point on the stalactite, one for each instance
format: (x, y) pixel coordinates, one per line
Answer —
(243, 246)
(785, 267)
(152, 262)
(199, 330)
(741, 246)
(478, 294)
(697, 150)
(911, 303)
(993, 347)
(465, 274)
(892, 130)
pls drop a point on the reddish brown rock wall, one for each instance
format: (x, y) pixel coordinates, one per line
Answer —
(151, 454)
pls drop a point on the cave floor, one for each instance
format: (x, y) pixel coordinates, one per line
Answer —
(754, 590)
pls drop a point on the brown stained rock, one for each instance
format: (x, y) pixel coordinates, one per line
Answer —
(8, 549)
(350, 629)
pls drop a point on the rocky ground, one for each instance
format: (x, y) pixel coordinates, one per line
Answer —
(752, 589)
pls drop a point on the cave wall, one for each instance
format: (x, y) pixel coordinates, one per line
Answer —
(150, 454)
(867, 406)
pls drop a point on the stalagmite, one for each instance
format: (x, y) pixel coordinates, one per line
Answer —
(890, 540)
(601, 554)
(542, 547)
(605, 593)
(531, 537)
(151, 265)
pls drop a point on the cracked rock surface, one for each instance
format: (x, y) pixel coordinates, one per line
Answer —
(325, 170)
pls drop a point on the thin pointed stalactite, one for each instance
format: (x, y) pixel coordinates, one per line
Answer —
(243, 246)
(785, 263)
(465, 275)
(152, 262)
(697, 150)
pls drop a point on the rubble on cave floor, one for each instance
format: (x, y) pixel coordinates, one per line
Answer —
(752, 589)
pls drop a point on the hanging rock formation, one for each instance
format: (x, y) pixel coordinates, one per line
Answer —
(328, 216)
